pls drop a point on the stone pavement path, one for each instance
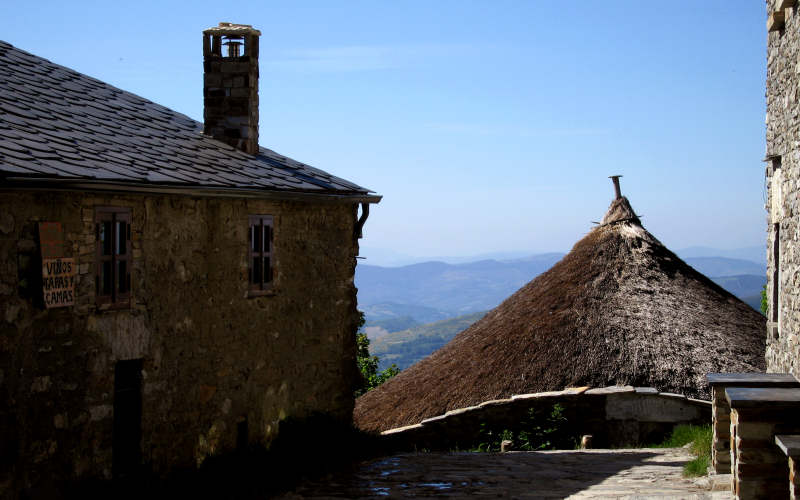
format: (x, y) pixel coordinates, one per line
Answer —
(640, 473)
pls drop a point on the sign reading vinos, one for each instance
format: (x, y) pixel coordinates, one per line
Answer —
(58, 282)
(58, 272)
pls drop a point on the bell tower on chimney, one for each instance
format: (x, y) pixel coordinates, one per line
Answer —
(230, 85)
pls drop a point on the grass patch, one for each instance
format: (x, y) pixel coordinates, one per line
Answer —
(700, 438)
(696, 467)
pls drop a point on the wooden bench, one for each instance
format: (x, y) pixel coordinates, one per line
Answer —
(720, 410)
(790, 445)
(759, 468)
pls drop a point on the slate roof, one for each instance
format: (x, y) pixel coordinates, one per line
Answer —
(58, 124)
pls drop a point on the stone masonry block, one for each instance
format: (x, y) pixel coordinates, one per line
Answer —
(761, 471)
(722, 445)
(762, 489)
(235, 67)
(753, 444)
(212, 80)
(771, 415)
(760, 456)
(755, 431)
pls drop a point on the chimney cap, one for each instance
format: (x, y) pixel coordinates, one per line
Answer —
(232, 29)
(615, 180)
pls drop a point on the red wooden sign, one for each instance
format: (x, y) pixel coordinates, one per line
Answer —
(51, 237)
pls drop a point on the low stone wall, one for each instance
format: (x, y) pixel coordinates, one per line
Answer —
(615, 416)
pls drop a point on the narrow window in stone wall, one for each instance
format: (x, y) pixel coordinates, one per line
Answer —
(776, 275)
(260, 254)
(113, 256)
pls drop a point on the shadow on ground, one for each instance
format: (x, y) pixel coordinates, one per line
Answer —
(303, 451)
(551, 474)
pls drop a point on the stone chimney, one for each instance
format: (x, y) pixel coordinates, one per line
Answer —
(230, 85)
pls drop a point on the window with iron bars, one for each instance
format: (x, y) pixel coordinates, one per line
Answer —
(260, 254)
(113, 256)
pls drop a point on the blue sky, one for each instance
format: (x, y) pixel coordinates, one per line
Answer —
(487, 126)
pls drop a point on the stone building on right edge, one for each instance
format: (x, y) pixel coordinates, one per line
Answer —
(782, 175)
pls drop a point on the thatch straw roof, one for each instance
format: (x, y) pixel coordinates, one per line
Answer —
(619, 308)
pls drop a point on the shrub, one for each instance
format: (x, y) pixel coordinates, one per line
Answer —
(368, 365)
(537, 430)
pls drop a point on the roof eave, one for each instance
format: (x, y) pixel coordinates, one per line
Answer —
(61, 184)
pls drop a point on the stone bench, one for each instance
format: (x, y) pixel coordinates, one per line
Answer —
(759, 468)
(790, 445)
(720, 410)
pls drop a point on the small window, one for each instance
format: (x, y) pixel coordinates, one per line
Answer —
(260, 254)
(113, 256)
(776, 273)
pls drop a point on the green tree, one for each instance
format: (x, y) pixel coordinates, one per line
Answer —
(764, 303)
(368, 365)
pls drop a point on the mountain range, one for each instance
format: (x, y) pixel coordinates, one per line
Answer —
(392, 258)
(414, 310)
(432, 291)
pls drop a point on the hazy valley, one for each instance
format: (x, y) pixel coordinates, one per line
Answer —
(413, 310)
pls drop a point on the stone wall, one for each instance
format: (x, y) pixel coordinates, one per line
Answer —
(615, 416)
(212, 357)
(783, 173)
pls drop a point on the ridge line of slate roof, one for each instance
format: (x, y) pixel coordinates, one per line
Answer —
(57, 123)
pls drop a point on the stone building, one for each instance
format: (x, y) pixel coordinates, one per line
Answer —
(169, 290)
(782, 174)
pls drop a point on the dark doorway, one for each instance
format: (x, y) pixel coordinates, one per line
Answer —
(127, 437)
(242, 435)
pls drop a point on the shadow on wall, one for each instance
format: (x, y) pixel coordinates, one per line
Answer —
(615, 417)
(307, 449)
(303, 450)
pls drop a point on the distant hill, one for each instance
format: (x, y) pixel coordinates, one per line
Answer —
(433, 291)
(723, 266)
(386, 313)
(756, 254)
(395, 323)
(379, 328)
(445, 289)
(753, 301)
(410, 345)
(742, 285)
(406, 347)
(391, 258)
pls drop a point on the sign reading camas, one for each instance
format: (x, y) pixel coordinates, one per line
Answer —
(58, 282)
(58, 272)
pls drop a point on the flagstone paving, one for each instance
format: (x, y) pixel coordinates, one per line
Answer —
(639, 473)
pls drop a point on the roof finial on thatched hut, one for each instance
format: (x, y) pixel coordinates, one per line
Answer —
(615, 180)
(618, 309)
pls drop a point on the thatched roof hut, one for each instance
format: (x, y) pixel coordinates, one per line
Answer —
(619, 308)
